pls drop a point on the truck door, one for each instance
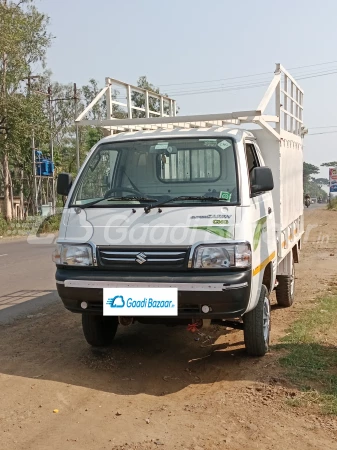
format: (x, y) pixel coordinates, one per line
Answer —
(263, 225)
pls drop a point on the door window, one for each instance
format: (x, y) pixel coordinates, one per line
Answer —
(252, 160)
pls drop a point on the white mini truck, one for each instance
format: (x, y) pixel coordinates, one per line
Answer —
(191, 202)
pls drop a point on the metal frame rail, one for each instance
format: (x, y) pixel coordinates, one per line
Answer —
(288, 115)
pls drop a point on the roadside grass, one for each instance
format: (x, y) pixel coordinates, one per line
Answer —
(310, 359)
(31, 225)
(18, 227)
(3, 225)
(333, 204)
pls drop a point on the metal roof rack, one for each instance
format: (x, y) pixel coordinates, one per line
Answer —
(288, 110)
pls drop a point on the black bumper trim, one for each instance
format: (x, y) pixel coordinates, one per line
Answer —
(224, 304)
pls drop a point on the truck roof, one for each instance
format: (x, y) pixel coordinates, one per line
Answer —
(215, 131)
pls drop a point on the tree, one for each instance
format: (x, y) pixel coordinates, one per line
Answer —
(91, 135)
(330, 164)
(321, 181)
(24, 111)
(313, 186)
(314, 190)
(138, 99)
(89, 91)
(24, 41)
(308, 171)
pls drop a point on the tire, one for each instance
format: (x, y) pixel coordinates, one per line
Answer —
(285, 291)
(257, 326)
(99, 331)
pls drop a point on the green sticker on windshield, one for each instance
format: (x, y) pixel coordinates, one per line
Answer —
(225, 195)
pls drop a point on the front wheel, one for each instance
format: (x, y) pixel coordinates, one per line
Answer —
(99, 331)
(257, 326)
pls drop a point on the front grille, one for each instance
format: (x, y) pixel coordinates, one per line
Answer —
(143, 258)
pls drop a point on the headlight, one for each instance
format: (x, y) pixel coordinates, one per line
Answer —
(73, 255)
(222, 256)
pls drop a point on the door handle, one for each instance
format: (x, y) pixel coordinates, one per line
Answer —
(269, 210)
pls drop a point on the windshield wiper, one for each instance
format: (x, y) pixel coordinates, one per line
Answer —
(147, 209)
(110, 199)
(141, 199)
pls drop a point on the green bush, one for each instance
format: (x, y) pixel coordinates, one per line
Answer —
(50, 224)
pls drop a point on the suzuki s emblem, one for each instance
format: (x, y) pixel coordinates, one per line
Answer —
(141, 258)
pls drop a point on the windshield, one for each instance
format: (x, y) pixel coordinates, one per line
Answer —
(138, 172)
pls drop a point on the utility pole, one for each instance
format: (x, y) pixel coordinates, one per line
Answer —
(77, 131)
(51, 144)
(35, 205)
(8, 208)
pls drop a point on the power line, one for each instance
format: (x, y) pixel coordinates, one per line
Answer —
(240, 86)
(322, 74)
(258, 83)
(219, 89)
(252, 83)
(323, 132)
(244, 76)
(330, 126)
(215, 81)
(246, 83)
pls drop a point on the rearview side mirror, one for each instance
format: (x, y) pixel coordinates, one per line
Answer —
(261, 180)
(64, 183)
(164, 149)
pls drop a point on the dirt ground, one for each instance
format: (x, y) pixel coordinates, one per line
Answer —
(159, 387)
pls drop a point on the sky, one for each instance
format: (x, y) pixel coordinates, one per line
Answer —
(182, 45)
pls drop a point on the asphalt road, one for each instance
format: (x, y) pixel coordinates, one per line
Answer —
(315, 206)
(26, 278)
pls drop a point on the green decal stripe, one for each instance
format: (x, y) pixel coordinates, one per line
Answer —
(258, 231)
(219, 231)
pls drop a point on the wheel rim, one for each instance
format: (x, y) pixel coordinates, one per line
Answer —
(266, 319)
(292, 282)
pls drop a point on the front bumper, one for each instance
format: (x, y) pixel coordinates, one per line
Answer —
(227, 294)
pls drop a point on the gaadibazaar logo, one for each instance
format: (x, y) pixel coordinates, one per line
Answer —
(119, 302)
(140, 301)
